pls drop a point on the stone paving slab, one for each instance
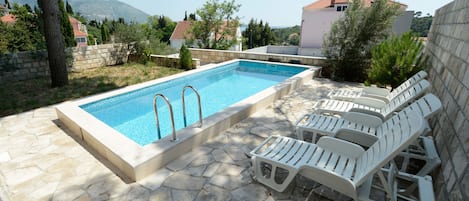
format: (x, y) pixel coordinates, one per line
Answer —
(39, 160)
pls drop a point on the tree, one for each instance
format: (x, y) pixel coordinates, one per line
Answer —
(396, 59)
(348, 44)
(185, 16)
(69, 8)
(421, 25)
(7, 4)
(185, 58)
(25, 34)
(66, 27)
(192, 17)
(257, 34)
(55, 43)
(105, 35)
(217, 26)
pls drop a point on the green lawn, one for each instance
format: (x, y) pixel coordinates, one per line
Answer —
(22, 96)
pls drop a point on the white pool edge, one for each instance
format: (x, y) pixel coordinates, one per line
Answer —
(137, 162)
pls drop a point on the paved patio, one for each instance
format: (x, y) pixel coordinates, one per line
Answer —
(39, 160)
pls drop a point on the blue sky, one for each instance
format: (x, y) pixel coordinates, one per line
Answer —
(276, 12)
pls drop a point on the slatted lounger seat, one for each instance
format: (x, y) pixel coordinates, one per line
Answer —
(338, 164)
(375, 92)
(374, 106)
(311, 126)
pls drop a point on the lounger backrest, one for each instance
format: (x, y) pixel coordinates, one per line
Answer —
(405, 98)
(427, 106)
(406, 130)
(408, 83)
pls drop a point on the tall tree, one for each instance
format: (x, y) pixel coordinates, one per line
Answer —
(7, 4)
(69, 8)
(185, 16)
(257, 34)
(348, 44)
(55, 43)
(217, 26)
(66, 27)
(105, 35)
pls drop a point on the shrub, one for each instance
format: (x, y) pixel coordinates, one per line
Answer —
(347, 45)
(396, 59)
(185, 58)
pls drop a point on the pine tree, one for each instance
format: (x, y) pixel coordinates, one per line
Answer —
(185, 58)
(69, 9)
(7, 4)
(105, 35)
(348, 44)
(185, 16)
(66, 27)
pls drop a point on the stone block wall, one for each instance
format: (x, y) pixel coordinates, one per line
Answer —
(99, 55)
(218, 56)
(34, 64)
(448, 49)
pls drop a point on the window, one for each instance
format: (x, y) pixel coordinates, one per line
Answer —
(81, 40)
(339, 8)
(344, 7)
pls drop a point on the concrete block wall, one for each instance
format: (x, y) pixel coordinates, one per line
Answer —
(448, 50)
(34, 64)
(218, 56)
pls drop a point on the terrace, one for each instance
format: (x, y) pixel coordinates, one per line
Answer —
(51, 164)
(40, 160)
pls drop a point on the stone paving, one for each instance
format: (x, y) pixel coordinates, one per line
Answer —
(39, 160)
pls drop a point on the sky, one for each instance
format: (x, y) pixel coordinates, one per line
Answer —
(278, 13)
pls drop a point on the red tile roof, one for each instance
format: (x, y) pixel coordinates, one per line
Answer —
(330, 3)
(9, 19)
(76, 27)
(181, 30)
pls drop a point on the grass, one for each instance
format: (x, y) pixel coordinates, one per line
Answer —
(25, 95)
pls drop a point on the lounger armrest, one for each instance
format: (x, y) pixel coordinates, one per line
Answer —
(340, 146)
(376, 114)
(371, 102)
(363, 118)
(376, 91)
(382, 98)
(355, 136)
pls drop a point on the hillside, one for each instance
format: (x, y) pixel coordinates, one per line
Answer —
(100, 9)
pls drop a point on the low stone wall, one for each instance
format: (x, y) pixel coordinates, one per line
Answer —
(99, 55)
(172, 61)
(218, 56)
(34, 64)
(448, 48)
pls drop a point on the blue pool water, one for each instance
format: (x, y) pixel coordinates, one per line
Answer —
(132, 113)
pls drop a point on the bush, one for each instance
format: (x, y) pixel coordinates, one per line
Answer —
(396, 59)
(185, 58)
(347, 45)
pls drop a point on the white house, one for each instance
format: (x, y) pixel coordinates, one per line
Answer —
(317, 19)
(180, 33)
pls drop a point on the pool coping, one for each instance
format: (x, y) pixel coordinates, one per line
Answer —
(137, 162)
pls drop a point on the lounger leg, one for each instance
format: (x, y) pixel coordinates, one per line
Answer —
(265, 172)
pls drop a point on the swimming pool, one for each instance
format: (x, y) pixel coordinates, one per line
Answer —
(103, 121)
(132, 113)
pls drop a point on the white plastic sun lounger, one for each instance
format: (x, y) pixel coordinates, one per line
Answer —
(375, 92)
(337, 164)
(375, 106)
(311, 126)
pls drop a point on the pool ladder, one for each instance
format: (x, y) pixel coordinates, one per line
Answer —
(171, 114)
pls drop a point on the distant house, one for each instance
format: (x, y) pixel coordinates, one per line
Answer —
(80, 32)
(8, 19)
(79, 29)
(181, 33)
(317, 19)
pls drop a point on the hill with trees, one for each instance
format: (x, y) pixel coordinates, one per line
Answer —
(100, 9)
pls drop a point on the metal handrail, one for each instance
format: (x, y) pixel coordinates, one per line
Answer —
(184, 105)
(170, 114)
